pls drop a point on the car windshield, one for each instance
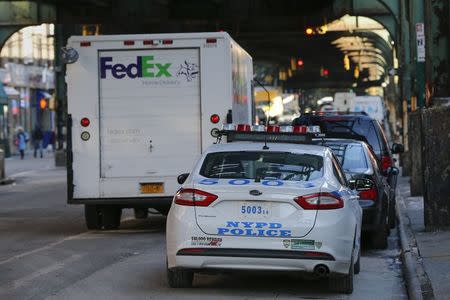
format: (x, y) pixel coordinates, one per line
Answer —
(262, 165)
(351, 157)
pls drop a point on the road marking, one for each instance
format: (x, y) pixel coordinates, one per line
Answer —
(41, 272)
(24, 173)
(51, 245)
(46, 247)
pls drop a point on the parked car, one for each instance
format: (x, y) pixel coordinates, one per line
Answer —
(359, 125)
(375, 194)
(265, 206)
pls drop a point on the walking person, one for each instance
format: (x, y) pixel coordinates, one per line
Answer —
(21, 141)
(37, 140)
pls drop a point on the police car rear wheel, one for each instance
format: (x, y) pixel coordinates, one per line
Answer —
(180, 278)
(343, 283)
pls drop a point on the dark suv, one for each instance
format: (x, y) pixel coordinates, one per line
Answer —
(335, 124)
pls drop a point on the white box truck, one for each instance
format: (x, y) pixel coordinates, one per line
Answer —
(141, 109)
(373, 106)
(343, 101)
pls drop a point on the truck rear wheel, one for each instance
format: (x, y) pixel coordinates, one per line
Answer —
(93, 217)
(111, 217)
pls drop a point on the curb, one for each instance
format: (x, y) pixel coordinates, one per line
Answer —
(409, 265)
(6, 181)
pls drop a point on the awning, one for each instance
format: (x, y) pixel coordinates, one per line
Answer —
(3, 95)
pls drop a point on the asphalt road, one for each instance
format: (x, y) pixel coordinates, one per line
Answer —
(47, 253)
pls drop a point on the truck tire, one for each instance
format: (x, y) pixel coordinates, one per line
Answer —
(343, 283)
(141, 213)
(180, 278)
(111, 217)
(93, 217)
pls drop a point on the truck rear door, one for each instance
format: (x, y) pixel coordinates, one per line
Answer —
(149, 112)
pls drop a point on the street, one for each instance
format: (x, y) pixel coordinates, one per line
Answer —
(47, 253)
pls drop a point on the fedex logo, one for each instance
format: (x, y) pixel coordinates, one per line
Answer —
(144, 67)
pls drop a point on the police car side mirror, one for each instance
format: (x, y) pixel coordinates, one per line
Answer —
(182, 178)
(397, 148)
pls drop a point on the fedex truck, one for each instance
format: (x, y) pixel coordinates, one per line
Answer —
(141, 109)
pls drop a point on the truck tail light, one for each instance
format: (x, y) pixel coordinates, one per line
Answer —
(128, 43)
(370, 194)
(85, 44)
(85, 122)
(148, 42)
(167, 42)
(194, 197)
(214, 119)
(211, 41)
(320, 201)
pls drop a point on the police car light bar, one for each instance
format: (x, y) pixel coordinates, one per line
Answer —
(270, 134)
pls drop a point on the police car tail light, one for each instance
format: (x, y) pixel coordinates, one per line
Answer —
(370, 194)
(320, 201)
(194, 197)
(313, 129)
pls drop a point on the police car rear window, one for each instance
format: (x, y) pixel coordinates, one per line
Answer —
(262, 165)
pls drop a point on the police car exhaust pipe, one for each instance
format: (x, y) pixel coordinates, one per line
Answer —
(321, 270)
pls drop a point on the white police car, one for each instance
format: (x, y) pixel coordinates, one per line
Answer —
(255, 205)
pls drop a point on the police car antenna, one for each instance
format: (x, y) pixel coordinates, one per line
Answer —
(268, 112)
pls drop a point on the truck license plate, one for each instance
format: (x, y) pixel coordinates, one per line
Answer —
(152, 188)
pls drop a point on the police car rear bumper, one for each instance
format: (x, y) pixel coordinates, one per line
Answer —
(297, 263)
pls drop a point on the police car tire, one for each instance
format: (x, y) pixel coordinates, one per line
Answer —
(343, 283)
(357, 268)
(111, 217)
(180, 278)
(92, 216)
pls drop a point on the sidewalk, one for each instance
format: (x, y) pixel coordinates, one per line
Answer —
(14, 166)
(431, 250)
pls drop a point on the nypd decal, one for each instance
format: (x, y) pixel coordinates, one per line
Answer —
(237, 228)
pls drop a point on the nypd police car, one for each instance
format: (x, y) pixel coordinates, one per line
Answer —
(265, 200)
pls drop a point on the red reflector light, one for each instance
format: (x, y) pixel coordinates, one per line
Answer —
(273, 128)
(215, 119)
(211, 41)
(320, 201)
(243, 127)
(85, 44)
(386, 162)
(128, 43)
(370, 194)
(300, 129)
(191, 250)
(194, 197)
(167, 42)
(85, 122)
(148, 42)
